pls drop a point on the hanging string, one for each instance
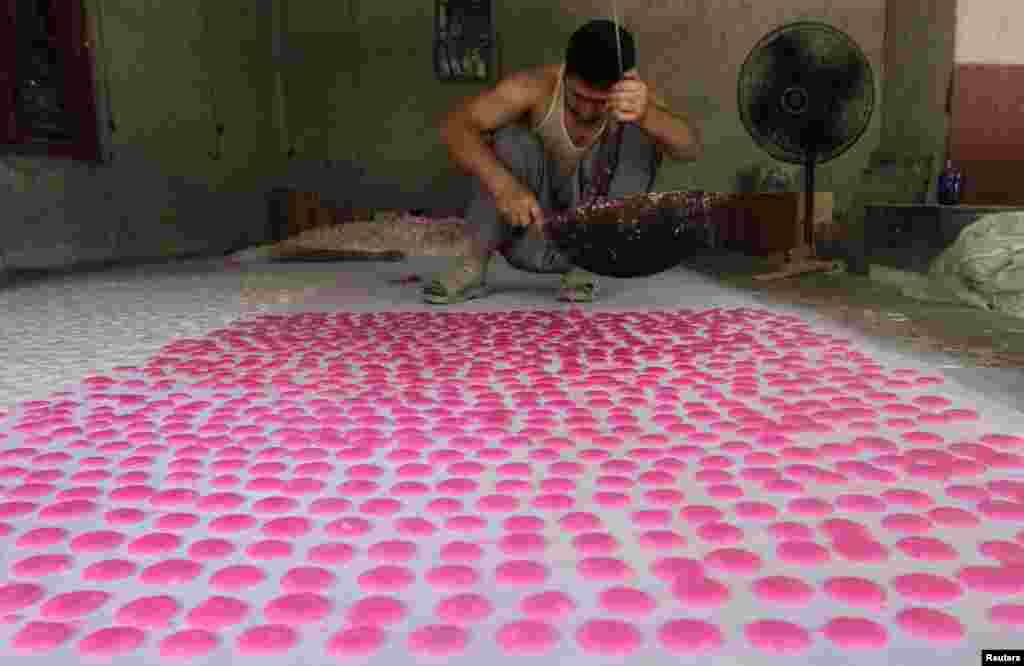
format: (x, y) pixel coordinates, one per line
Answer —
(618, 38)
(608, 154)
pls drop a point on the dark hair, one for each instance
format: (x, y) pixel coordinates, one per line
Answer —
(592, 54)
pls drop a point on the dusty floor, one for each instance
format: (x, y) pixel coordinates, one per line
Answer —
(973, 337)
(284, 374)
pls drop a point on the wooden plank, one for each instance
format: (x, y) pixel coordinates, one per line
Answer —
(987, 132)
(801, 267)
(768, 223)
(302, 212)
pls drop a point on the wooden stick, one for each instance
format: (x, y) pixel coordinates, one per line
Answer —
(801, 267)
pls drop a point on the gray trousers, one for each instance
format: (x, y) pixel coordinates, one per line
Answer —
(523, 154)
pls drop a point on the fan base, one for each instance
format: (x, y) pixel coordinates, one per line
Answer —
(801, 261)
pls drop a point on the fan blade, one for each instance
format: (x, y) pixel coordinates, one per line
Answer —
(805, 90)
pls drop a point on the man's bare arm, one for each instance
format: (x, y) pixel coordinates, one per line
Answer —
(464, 128)
(677, 136)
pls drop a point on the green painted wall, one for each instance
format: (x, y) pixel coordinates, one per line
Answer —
(919, 51)
(361, 108)
(383, 111)
(176, 70)
(384, 114)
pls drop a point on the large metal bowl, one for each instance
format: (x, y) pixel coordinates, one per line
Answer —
(634, 236)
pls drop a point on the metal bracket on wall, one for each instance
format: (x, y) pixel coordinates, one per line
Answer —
(217, 151)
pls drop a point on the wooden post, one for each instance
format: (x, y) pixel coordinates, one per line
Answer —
(303, 212)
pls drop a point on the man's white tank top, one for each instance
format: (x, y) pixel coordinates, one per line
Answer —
(555, 136)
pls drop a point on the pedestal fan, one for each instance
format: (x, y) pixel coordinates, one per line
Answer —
(806, 95)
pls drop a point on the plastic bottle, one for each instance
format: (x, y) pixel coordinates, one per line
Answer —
(950, 184)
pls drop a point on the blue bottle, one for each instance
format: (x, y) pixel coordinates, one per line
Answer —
(950, 184)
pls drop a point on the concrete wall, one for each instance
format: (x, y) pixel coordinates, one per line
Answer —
(168, 73)
(359, 106)
(987, 134)
(391, 129)
(919, 48)
(989, 32)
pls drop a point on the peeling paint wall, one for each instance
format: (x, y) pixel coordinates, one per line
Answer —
(987, 134)
(919, 49)
(167, 73)
(360, 107)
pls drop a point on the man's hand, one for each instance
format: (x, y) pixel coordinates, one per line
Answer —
(629, 99)
(519, 207)
(633, 101)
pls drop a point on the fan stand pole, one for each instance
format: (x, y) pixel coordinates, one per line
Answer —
(803, 260)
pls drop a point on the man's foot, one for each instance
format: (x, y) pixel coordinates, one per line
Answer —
(466, 281)
(578, 286)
